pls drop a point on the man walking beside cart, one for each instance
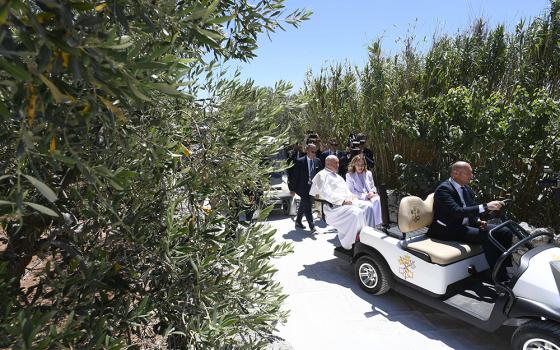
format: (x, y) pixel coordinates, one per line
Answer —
(299, 181)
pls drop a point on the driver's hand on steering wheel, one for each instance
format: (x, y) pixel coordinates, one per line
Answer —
(495, 205)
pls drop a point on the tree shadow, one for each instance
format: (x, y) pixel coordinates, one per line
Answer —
(408, 312)
(298, 235)
(321, 224)
(276, 215)
(334, 241)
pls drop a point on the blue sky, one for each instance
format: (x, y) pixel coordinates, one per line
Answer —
(340, 31)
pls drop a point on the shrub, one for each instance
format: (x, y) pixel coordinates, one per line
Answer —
(485, 96)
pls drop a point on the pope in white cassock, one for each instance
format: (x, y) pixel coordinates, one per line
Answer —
(348, 214)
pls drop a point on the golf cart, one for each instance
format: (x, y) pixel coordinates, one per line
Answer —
(453, 277)
(279, 194)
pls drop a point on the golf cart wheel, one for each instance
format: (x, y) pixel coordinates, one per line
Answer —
(286, 207)
(372, 274)
(537, 335)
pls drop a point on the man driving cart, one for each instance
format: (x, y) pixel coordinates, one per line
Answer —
(456, 215)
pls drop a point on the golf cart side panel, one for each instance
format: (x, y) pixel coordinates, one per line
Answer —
(432, 277)
(408, 267)
(526, 308)
(541, 280)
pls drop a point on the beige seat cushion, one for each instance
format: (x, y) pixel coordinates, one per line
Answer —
(415, 213)
(445, 252)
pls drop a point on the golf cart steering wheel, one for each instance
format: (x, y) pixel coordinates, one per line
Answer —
(507, 202)
(513, 248)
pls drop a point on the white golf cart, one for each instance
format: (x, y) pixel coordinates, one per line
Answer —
(278, 194)
(451, 276)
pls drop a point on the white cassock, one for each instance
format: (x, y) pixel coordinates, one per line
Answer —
(347, 219)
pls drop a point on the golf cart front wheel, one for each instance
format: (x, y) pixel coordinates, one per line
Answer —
(372, 274)
(537, 335)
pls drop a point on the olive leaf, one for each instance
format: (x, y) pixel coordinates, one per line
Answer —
(43, 188)
(42, 209)
(56, 94)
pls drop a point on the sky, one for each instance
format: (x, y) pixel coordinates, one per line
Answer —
(340, 31)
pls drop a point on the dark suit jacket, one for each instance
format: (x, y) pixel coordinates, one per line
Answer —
(328, 152)
(449, 209)
(368, 155)
(323, 156)
(298, 181)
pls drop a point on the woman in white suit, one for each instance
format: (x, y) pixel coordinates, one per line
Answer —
(360, 182)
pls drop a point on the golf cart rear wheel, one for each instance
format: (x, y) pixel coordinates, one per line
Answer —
(372, 274)
(537, 335)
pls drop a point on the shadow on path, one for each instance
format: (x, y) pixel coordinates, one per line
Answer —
(398, 308)
(276, 215)
(334, 241)
(298, 235)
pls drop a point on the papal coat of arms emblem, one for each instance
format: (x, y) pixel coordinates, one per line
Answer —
(415, 213)
(406, 266)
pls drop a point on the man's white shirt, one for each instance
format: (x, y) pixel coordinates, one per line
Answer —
(309, 166)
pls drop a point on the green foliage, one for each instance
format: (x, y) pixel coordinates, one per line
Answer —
(485, 96)
(119, 190)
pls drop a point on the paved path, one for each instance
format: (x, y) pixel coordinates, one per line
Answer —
(329, 311)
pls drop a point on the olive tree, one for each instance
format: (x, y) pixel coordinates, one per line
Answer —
(119, 186)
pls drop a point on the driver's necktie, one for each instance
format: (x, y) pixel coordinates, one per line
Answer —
(466, 202)
(466, 196)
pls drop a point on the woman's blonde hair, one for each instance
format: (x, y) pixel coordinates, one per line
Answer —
(356, 159)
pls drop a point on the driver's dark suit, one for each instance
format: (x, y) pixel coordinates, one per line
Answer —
(449, 222)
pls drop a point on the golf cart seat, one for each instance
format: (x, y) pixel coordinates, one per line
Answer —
(415, 214)
(322, 203)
